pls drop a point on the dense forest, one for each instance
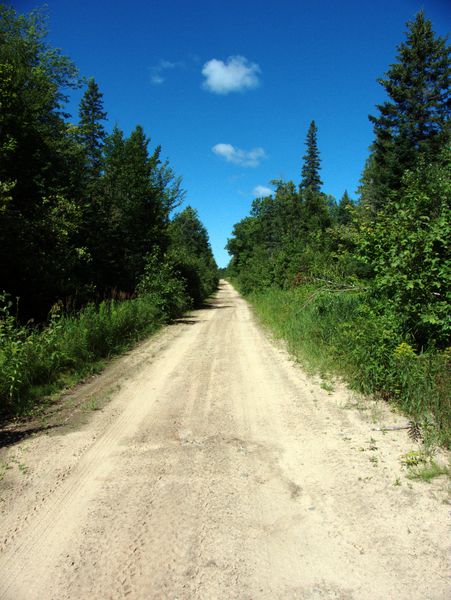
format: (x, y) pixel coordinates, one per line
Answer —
(93, 256)
(360, 288)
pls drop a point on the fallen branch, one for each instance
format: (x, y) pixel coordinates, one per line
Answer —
(391, 428)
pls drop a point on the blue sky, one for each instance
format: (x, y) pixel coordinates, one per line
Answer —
(229, 87)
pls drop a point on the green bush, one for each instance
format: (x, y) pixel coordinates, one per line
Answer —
(351, 335)
(164, 284)
(31, 357)
(407, 246)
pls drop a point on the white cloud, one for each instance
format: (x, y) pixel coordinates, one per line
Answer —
(234, 75)
(156, 79)
(244, 158)
(156, 73)
(167, 64)
(261, 191)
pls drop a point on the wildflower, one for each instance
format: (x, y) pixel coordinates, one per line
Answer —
(404, 350)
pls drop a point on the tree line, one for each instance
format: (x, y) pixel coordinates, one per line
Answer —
(93, 255)
(81, 210)
(381, 261)
(394, 238)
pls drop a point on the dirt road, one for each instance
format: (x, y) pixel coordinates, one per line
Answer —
(220, 470)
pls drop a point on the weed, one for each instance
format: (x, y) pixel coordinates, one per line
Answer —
(427, 472)
(20, 465)
(397, 482)
(326, 385)
(36, 363)
(4, 467)
(413, 458)
(350, 335)
(92, 404)
(22, 468)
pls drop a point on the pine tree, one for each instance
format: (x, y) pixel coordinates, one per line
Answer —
(139, 204)
(191, 254)
(343, 211)
(415, 119)
(310, 169)
(91, 130)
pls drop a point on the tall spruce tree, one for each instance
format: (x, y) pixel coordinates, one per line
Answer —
(310, 169)
(91, 137)
(91, 130)
(414, 121)
(344, 216)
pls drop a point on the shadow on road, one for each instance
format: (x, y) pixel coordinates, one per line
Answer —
(12, 436)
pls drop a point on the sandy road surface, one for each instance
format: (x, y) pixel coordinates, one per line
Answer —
(219, 470)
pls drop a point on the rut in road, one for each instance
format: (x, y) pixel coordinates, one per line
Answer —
(220, 470)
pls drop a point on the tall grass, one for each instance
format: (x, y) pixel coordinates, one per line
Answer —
(349, 335)
(31, 357)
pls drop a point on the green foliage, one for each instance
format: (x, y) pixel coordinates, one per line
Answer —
(84, 220)
(162, 284)
(415, 120)
(91, 133)
(362, 289)
(407, 247)
(191, 254)
(38, 157)
(79, 212)
(345, 210)
(284, 240)
(310, 169)
(429, 471)
(348, 334)
(30, 357)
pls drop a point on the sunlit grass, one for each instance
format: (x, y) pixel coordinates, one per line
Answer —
(348, 335)
(428, 471)
(35, 364)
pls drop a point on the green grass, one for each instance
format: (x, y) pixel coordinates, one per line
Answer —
(428, 472)
(347, 334)
(36, 363)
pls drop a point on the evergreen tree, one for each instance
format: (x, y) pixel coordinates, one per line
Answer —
(310, 169)
(191, 254)
(91, 130)
(316, 213)
(415, 119)
(90, 135)
(113, 161)
(343, 211)
(143, 195)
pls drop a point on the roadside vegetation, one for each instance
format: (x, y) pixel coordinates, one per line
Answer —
(360, 288)
(94, 255)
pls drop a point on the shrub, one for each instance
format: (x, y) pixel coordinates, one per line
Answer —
(350, 334)
(31, 356)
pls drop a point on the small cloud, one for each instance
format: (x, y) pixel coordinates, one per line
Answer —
(244, 158)
(261, 191)
(157, 79)
(156, 73)
(167, 64)
(235, 75)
